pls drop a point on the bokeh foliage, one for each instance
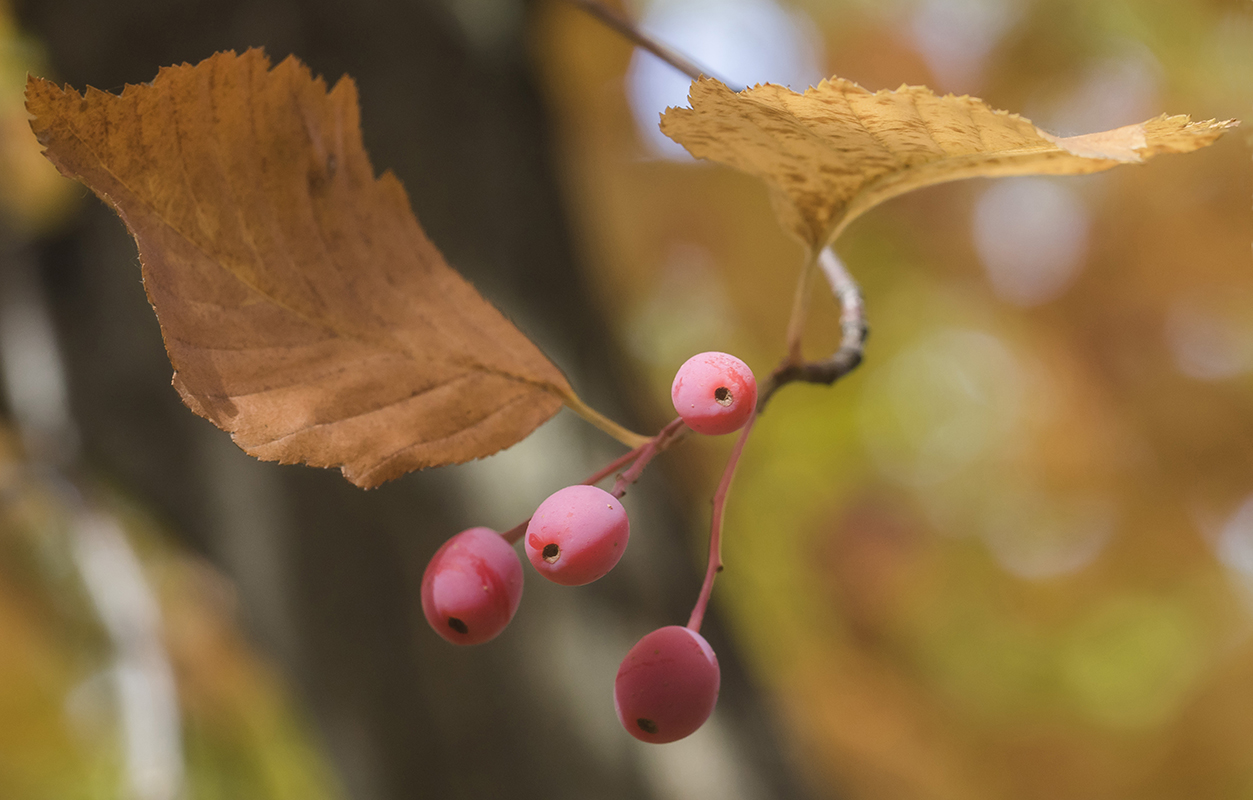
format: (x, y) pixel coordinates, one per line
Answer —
(60, 720)
(1004, 558)
(33, 198)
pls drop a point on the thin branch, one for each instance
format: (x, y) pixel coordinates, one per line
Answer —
(628, 30)
(852, 309)
(852, 341)
(793, 367)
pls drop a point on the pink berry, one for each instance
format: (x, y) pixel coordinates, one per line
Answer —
(714, 393)
(472, 586)
(667, 685)
(577, 535)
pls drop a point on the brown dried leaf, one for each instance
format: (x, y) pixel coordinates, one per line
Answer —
(837, 150)
(303, 308)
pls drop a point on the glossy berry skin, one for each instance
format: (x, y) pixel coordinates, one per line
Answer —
(577, 535)
(667, 685)
(714, 393)
(472, 586)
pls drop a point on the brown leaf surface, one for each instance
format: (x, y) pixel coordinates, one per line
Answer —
(837, 150)
(303, 308)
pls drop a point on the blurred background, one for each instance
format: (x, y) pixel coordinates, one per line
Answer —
(1010, 557)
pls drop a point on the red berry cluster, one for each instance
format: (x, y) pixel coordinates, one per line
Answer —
(668, 683)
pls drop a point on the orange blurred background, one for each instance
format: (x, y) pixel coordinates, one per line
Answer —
(1012, 555)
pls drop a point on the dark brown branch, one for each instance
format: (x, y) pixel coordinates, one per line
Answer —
(628, 30)
(852, 342)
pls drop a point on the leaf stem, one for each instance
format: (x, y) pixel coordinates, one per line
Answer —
(852, 341)
(673, 432)
(627, 437)
(800, 301)
(800, 307)
(715, 527)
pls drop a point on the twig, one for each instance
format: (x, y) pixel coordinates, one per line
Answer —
(628, 30)
(793, 368)
(852, 342)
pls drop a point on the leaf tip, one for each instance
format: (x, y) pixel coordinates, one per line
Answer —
(37, 89)
(32, 83)
(366, 480)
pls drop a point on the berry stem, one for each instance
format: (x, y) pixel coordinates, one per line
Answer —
(641, 455)
(715, 527)
(656, 445)
(615, 465)
(515, 533)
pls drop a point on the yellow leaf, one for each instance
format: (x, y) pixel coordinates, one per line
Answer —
(303, 308)
(837, 150)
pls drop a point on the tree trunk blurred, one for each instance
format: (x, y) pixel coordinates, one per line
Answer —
(327, 573)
